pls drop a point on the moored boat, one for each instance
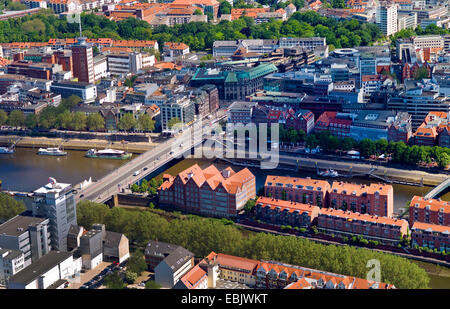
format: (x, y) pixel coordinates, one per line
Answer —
(108, 154)
(51, 152)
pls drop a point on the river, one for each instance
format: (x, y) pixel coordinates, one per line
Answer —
(27, 171)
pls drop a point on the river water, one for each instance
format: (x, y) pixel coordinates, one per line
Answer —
(27, 171)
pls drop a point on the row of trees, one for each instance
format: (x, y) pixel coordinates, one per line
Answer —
(62, 118)
(147, 186)
(203, 235)
(9, 207)
(198, 35)
(399, 151)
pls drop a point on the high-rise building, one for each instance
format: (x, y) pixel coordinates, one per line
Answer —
(83, 61)
(56, 202)
(386, 18)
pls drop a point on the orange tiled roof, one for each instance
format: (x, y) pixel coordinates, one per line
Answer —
(290, 205)
(236, 262)
(431, 227)
(434, 205)
(253, 12)
(193, 2)
(359, 189)
(175, 45)
(212, 177)
(350, 216)
(314, 183)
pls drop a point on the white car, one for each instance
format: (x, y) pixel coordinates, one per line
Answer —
(136, 173)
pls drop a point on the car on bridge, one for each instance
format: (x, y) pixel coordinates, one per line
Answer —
(136, 173)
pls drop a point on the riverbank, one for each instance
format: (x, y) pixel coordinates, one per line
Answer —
(75, 144)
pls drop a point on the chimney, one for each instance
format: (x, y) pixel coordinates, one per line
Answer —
(213, 273)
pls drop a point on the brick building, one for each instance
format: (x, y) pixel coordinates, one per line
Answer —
(302, 190)
(281, 212)
(347, 223)
(208, 191)
(431, 236)
(372, 199)
(429, 211)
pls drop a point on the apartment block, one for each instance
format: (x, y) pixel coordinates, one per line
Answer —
(431, 236)
(280, 212)
(373, 199)
(430, 211)
(347, 223)
(208, 191)
(302, 190)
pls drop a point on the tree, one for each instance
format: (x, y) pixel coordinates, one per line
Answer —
(198, 12)
(3, 117)
(151, 284)
(65, 120)
(79, 120)
(113, 281)
(173, 121)
(89, 213)
(421, 73)
(31, 121)
(145, 123)
(250, 205)
(135, 188)
(136, 263)
(224, 8)
(33, 25)
(95, 122)
(127, 122)
(130, 277)
(16, 118)
(9, 207)
(16, 6)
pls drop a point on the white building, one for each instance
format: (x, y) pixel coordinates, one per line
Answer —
(11, 262)
(51, 271)
(173, 267)
(100, 67)
(386, 18)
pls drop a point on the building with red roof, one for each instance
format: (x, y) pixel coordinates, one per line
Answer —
(281, 212)
(429, 210)
(431, 236)
(268, 275)
(347, 223)
(208, 191)
(333, 122)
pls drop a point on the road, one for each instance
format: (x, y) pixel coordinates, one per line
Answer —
(126, 175)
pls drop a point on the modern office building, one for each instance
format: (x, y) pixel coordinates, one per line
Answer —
(86, 91)
(27, 234)
(386, 17)
(83, 60)
(56, 202)
(177, 106)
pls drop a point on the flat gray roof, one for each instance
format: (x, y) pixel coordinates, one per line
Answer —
(40, 267)
(19, 224)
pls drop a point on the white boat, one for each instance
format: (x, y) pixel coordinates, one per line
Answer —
(51, 152)
(6, 150)
(328, 173)
(108, 154)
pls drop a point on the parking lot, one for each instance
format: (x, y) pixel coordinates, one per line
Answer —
(93, 278)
